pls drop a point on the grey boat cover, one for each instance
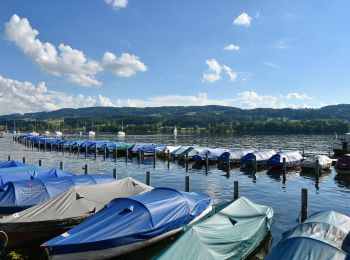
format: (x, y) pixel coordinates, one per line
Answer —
(78, 201)
(324, 161)
(232, 233)
(324, 235)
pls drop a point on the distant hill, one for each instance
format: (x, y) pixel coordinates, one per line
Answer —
(341, 112)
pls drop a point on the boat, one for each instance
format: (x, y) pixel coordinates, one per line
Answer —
(309, 164)
(2, 134)
(91, 134)
(175, 131)
(128, 224)
(261, 157)
(33, 133)
(342, 167)
(234, 155)
(16, 196)
(121, 134)
(58, 134)
(190, 152)
(292, 158)
(341, 144)
(211, 154)
(234, 232)
(10, 164)
(47, 133)
(51, 218)
(324, 235)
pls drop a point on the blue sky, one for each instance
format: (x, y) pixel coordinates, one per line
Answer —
(153, 53)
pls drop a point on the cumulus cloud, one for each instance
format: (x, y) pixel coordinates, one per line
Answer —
(24, 97)
(231, 47)
(243, 20)
(213, 73)
(66, 61)
(295, 95)
(117, 4)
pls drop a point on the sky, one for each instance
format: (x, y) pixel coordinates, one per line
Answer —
(136, 53)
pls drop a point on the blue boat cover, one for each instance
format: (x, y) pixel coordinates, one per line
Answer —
(293, 158)
(136, 147)
(149, 148)
(10, 164)
(18, 195)
(261, 156)
(129, 220)
(213, 154)
(234, 155)
(324, 235)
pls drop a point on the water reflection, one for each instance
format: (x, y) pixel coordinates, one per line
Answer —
(343, 182)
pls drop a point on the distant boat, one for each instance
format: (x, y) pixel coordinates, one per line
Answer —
(175, 131)
(341, 144)
(92, 133)
(34, 133)
(47, 133)
(121, 133)
(58, 134)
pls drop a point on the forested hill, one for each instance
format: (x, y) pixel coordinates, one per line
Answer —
(191, 119)
(341, 112)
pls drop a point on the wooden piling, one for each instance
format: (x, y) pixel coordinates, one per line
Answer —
(303, 214)
(207, 160)
(303, 152)
(39, 146)
(86, 169)
(148, 178)
(86, 150)
(154, 158)
(115, 173)
(105, 152)
(284, 165)
(255, 165)
(235, 190)
(45, 146)
(168, 157)
(116, 153)
(39, 162)
(9, 158)
(61, 165)
(139, 155)
(70, 149)
(187, 183)
(24, 160)
(126, 154)
(78, 151)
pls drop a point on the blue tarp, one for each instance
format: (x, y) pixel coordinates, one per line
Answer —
(136, 147)
(30, 173)
(293, 158)
(324, 235)
(235, 155)
(129, 220)
(149, 148)
(18, 195)
(261, 156)
(10, 164)
(213, 154)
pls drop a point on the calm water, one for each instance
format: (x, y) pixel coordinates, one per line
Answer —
(330, 193)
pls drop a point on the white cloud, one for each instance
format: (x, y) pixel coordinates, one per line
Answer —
(231, 47)
(295, 95)
(243, 19)
(117, 4)
(272, 65)
(66, 61)
(213, 73)
(24, 97)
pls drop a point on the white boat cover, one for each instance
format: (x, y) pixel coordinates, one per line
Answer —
(78, 201)
(324, 161)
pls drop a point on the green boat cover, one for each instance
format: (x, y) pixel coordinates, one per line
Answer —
(192, 151)
(234, 232)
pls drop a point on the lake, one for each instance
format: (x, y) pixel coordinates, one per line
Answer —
(284, 196)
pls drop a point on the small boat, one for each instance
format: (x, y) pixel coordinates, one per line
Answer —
(211, 154)
(175, 131)
(234, 155)
(91, 134)
(324, 235)
(121, 134)
(342, 167)
(261, 157)
(58, 134)
(309, 164)
(341, 144)
(16, 196)
(128, 224)
(293, 159)
(58, 214)
(190, 152)
(232, 233)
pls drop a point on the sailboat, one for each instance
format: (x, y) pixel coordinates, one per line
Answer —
(121, 133)
(92, 133)
(175, 131)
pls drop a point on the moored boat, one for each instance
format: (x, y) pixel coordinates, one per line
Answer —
(292, 159)
(324, 235)
(58, 214)
(342, 167)
(232, 233)
(128, 224)
(234, 155)
(341, 144)
(261, 157)
(11, 164)
(309, 164)
(211, 154)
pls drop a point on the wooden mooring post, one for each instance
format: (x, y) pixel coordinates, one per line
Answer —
(139, 156)
(105, 153)
(284, 166)
(24, 160)
(187, 183)
(116, 153)
(168, 157)
(115, 173)
(148, 178)
(39, 162)
(207, 160)
(86, 150)
(61, 165)
(186, 161)
(85, 169)
(303, 213)
(154, 158)
(235, 190)
(126, 154)
(9, 158)
(255, 165)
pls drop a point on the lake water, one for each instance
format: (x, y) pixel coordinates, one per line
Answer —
(284, 196)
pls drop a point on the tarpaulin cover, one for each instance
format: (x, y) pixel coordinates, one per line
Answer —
(18, 195)
(179, 151)
(261, 156)
(323, 160)
(213, 154)
(135, 148)
(166, 148)
(149, 148)
(77, 201)
(293, 158)
(10, 164)
(29, 172)
(324, 235)
(235, 155)
(128, 220)
(111, 146)
(343, 163)
(191, 151)
(232, 233)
